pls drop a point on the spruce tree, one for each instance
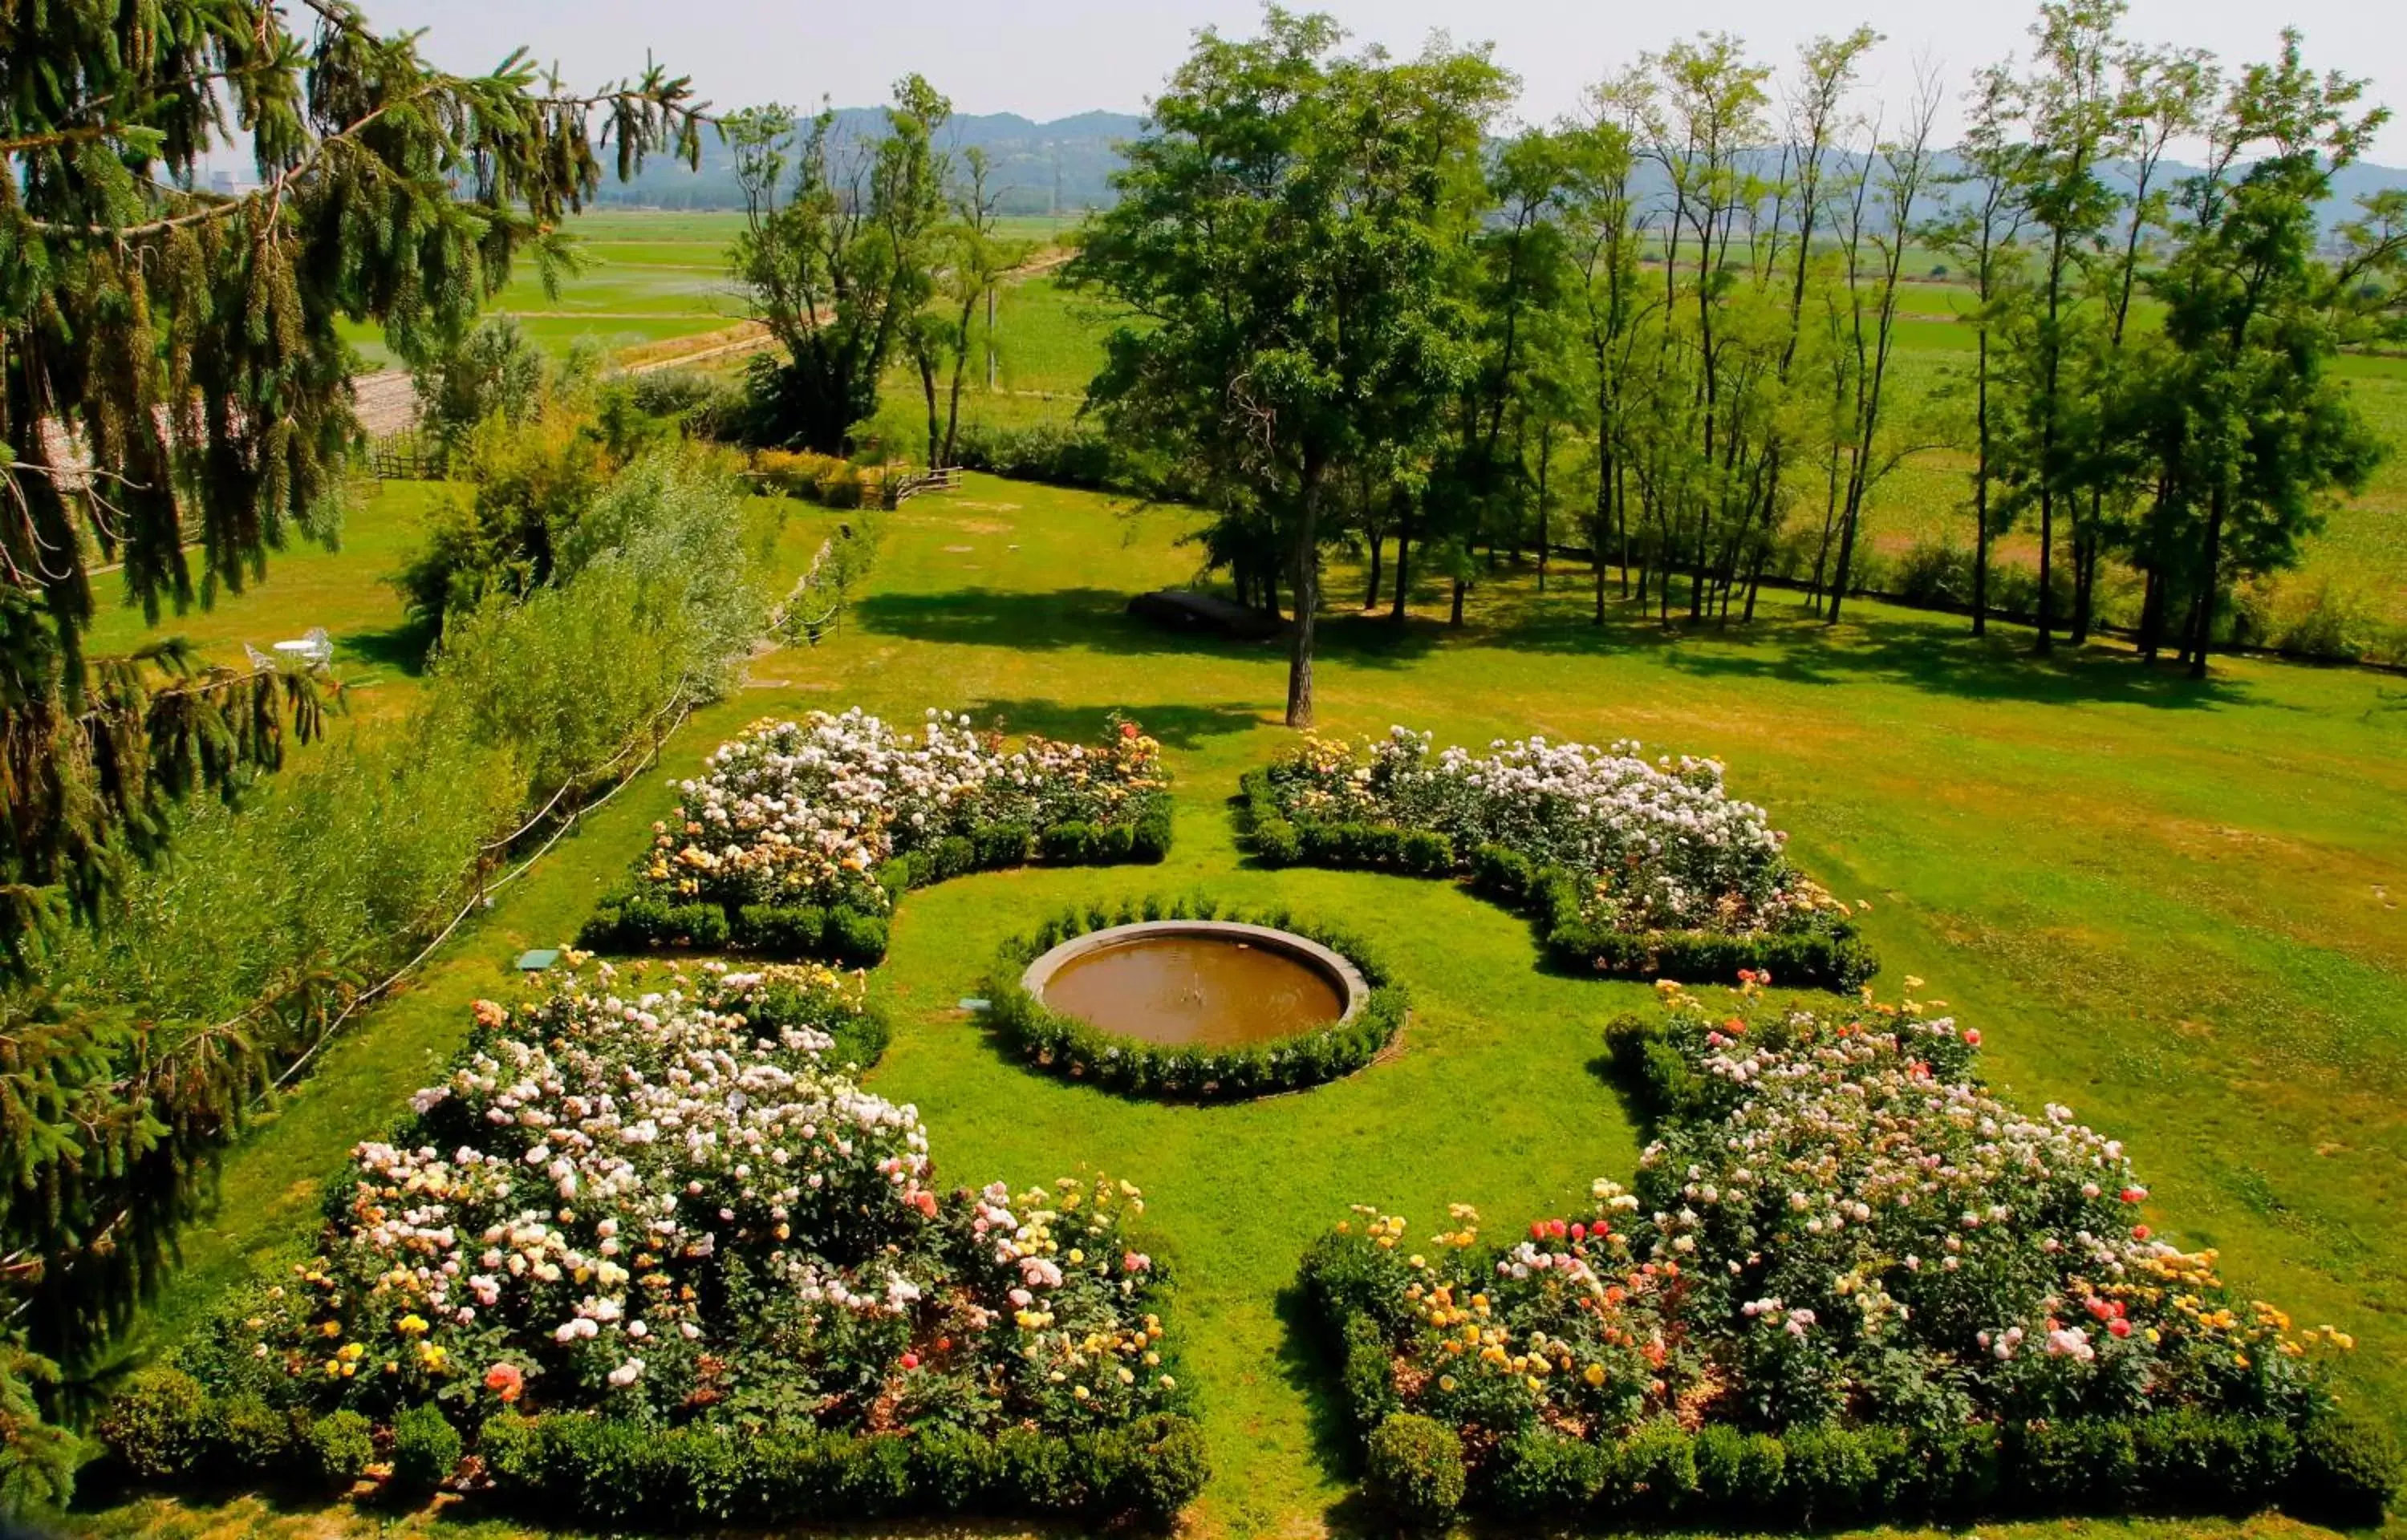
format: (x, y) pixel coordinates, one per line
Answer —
(175, 402)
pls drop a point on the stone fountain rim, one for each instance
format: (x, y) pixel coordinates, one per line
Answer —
(1303, 949)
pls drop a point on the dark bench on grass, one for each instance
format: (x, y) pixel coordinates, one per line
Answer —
(1202, 614)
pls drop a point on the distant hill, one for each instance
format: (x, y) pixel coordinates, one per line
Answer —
(1065, 165)
(1039, 168)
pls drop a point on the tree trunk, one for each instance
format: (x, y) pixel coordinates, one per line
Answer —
(1402, 580)
(1455, 617)
(2086, 545)
(1379, 548)
(2208, 582)
(2152, 616)
(928, 388)
(1306, 583)
(1981, 493)
(2045, 642)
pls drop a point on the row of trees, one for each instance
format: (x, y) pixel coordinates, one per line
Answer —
(1354, 316)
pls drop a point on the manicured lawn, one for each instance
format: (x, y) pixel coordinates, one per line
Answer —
(2170, 905)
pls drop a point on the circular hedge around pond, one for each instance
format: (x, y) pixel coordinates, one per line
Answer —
(1372, 1007)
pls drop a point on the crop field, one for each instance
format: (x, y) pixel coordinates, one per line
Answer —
(2167, 904)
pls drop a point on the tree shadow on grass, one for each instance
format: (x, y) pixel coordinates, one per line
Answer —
(404, 647)
(1875, 647)
(1097, 620)
(1176, 725)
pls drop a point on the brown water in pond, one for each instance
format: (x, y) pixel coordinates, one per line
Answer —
(1200, 991)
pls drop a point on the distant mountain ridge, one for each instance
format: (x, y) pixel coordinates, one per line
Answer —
(1065, 165)
(1062, 166)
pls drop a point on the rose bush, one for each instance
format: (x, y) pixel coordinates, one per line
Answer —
(1627, 865)
(804, 813)
(659, 1196)
(799, 837)
(1661, 843)
(1837, 1228)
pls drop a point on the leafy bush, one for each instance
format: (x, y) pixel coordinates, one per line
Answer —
(495, 371)
(2347, 1471)
(425, 1449)
(253, 1438)
(342, 1443)
(1414, 1469)
(526, 483)
(158, 1426)
(1075, 1050)
(1935, 573)
(604, 1472)
(1064, 454)
(829, 480)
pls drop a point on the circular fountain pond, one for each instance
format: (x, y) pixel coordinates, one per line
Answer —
(1202, 984)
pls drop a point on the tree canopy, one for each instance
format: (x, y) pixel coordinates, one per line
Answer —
(175, 390)
(1286, 242)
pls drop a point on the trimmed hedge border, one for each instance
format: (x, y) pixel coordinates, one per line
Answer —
(2331, 1470)
(631, 918)
(1828, 956)
(167, 1430)
(1073, 1050)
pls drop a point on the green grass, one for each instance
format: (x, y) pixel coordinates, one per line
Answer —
(2167, 904)
(343, 587)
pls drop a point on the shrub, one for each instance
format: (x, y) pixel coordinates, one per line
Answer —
(1543, 1476)
(1276, 843)
(2347, 1472)
(1160, 1465)
(790, 931)
(159, 1425)
(856, 939)
(253, 1438)
(1070, 844)
(341, 1446)
(1414, 1469)
(425, 1449)
(1741, 1475)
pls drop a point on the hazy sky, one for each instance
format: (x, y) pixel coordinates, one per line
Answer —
(1048, 58)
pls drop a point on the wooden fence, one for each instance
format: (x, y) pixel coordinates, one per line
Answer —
(903, 489)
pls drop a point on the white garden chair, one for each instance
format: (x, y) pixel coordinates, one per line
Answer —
(315, 649)
(260, 661)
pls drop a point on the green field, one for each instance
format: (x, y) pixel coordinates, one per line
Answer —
(2168, 904)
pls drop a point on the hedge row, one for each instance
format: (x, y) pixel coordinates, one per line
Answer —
(2330, 1470)
(635, 918)
(1828, 955)
(166, 1428)
(1072, 1049)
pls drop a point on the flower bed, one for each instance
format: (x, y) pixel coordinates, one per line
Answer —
(1626, 866)
(1073, 1050)
(1851, 1285)
(800, 837)
(651, 1223)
